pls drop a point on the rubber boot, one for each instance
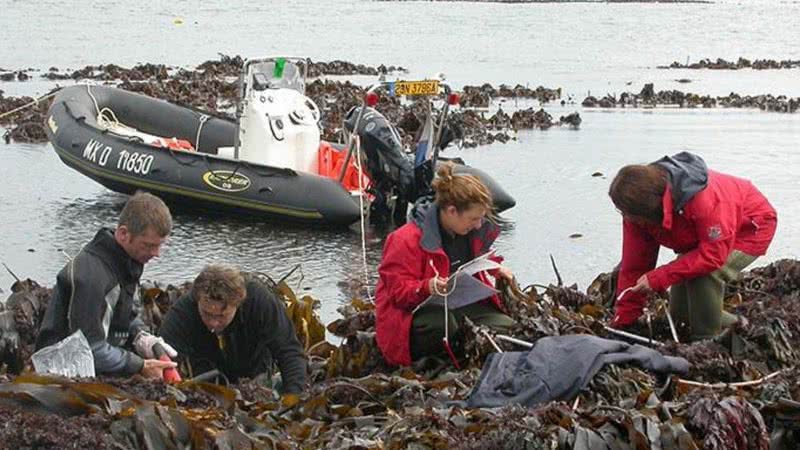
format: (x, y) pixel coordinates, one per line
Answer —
(706, 295)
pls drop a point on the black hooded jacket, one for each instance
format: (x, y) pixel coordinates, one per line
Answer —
(94, 293)
(259, 334)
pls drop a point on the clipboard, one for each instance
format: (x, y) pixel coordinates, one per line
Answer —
(462, 287)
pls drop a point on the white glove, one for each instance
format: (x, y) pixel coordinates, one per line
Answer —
(144, 342)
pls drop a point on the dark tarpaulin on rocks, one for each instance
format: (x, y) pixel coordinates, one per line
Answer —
(557, 368)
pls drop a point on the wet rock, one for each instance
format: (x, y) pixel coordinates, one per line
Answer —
(502, 137)
(647, 92)
(27, 124)
(112, 72)
(573, 119)
(681, 99)
(589, 102)
(482, 96)
(213, 87)
(741, 63)
(501, 119)
(338, 67)
(226, 66)
(477, 97)
(607, 102)
(531, 118)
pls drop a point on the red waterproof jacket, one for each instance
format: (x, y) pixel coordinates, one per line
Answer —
(405, 271)
(707, 215)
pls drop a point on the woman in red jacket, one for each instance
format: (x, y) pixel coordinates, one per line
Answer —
(417, 259)
(716, 223)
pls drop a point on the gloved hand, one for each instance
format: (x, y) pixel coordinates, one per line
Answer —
(264, 379)
(144, 342)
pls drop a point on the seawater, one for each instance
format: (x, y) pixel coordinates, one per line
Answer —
(48, 211)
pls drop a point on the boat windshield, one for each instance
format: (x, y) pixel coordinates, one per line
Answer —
(278, 73)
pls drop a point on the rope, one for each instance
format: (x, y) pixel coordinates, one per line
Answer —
(362, 215)
(28, 105)
(94, 100)
(203, 119)
(734, 385)
(108, 120)
(453, 277)
(444, 295)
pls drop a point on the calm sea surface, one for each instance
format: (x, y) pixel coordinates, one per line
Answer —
(47, 209)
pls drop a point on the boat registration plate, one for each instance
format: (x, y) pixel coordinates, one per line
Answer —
(424, 87)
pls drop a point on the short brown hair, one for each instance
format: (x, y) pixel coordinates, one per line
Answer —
(144, 210)
(638, 191)
(220, 284)
(460, 190)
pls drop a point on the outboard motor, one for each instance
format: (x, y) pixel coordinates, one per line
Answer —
(388, 166)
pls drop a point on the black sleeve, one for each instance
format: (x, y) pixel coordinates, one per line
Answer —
(137, 324)
(176, 329)
(91, 306)
(279, 335)
(171, 330)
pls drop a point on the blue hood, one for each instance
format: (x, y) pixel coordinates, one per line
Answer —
(425, 214)
(688, 175)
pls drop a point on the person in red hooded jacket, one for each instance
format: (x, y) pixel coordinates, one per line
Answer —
(417, 259)
(717, 224)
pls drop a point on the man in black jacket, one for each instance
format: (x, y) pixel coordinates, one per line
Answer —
(236, 326)
(94, 292)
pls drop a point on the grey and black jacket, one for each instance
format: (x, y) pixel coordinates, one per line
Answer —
(94, 293)
(259, 335)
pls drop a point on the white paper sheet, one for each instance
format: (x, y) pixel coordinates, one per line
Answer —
(479, 264)
(463, 288)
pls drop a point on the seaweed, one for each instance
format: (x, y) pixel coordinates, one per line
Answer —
(742, 391)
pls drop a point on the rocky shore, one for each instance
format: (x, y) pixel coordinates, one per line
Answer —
(648, 97)
(742, 391)
(225, 66)
(213, 86)
(741, 63)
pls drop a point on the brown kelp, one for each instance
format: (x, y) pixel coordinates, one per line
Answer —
(741, 63)
(742, 392)
(213, 87)
(648, 97)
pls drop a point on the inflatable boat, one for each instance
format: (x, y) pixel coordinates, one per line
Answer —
(270, 162)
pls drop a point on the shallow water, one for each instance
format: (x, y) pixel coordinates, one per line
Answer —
(598, 48)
